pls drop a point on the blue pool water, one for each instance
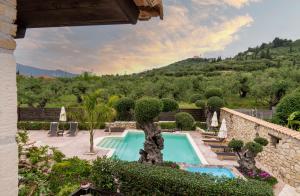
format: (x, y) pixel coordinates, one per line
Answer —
(177, 147)
(215, 171)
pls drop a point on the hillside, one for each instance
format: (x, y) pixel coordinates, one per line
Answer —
(256, 78)
(272, 55)
(32, 71)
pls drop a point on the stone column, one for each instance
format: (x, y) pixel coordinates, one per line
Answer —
(8, 100)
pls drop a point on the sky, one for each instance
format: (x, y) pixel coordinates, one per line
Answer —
(206, 28)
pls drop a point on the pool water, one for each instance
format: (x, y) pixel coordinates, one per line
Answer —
(177, 147)
(215, 171)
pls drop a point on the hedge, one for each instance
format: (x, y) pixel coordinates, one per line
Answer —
(38, 125)
(184, 121)
(167, 125)
(196, 97)
(133, 178)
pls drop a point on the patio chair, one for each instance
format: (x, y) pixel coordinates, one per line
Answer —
(73, 129)
(215, 141)
(53, 129)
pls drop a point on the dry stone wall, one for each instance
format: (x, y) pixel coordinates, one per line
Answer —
(281, 156)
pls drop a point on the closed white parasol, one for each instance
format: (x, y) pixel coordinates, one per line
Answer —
(63, 115)
(223, 130)
(214, 120)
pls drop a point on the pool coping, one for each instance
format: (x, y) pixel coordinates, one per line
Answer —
(111, 150)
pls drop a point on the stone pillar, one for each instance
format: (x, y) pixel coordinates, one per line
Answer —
(8, 100)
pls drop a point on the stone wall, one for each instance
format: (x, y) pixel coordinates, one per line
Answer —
(8, 100)
(123, 124)
(281, 156)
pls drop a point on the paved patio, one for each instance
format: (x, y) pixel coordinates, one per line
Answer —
(79, 146)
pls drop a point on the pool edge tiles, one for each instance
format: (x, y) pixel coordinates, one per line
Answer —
(111, 151)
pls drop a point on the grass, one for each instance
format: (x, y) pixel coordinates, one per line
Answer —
(184, 105)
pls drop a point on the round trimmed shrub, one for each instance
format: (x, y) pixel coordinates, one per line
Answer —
(254, 147)
(123, 107)
(195, 98)
(288, 105)
(213, 92)
(215, 103)
(201, 104)
(169, 105)
(184, 121)
(262, 141)
(146, 109)
(236, 145)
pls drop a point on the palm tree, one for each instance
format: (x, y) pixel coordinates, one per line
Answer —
(94, 113)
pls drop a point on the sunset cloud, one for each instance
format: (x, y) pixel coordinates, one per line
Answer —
(187, 30)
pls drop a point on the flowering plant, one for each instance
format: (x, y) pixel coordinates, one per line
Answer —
(262, 176)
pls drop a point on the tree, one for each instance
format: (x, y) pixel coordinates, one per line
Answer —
(94, 113)
(248, 152)
(79, 89)
(124, 107)
(146, 109)
(213, 105)
(169, 105)
(243, 84)
(294, 121)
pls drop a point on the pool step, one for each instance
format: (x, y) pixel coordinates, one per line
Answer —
(226, 156)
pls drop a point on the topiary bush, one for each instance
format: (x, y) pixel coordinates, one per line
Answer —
(236, 145)
(184, 121)
(124, 107)
(254, 147)
(262, 141)
(133, 178)
(146, 109)
(215, 103)
(288, 105)
(169, 105)
(200, 104)
(195, 97)
(213, 92)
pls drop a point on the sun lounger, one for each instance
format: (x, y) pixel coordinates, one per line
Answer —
(53, 129)
(220, 148)
(73, 129)
(215, 141)
(226, 156)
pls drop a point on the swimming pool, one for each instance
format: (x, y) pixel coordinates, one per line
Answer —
(177, 147)
(215, 171)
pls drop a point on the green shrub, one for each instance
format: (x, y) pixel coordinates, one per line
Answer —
(124, 106)
(170, 164)
(200, 104)
(236, 145)
(213, 92)
(147, 109)
(195, 97)
(254, 147)
(262, 141)
(71, 171)
(201, 125)
(36, 125)
(169, 105)
(184, 121)
(142, 179)
(167, 125)
(215, 103)
(288, 105)
(68, 189)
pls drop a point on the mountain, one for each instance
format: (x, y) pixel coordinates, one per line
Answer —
(32, 71)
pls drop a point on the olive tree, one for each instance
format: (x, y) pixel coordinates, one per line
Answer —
(146, 110)
(248, 152)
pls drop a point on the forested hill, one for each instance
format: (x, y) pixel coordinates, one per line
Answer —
(274, 54)
(258, 77)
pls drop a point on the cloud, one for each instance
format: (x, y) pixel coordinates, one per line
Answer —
(233, 3)
(188, 29)
(175, 38)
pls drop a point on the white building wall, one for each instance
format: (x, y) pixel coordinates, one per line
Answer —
(8, 101)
